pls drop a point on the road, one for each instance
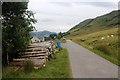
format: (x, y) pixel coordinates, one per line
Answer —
(86, 64)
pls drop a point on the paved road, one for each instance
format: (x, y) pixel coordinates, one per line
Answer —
(86, 64)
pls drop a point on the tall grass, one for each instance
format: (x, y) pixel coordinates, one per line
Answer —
(107, 48)
(102, 47)
(28, 66)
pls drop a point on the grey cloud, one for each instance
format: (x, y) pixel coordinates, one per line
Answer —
(52, 13)
(98, 4)
(45, 20)
(65, 4)
(49, 13)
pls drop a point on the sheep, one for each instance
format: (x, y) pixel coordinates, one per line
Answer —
(108, 36)
(102, 38)
(112, 35)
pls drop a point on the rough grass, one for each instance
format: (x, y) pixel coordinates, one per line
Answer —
(57, 67)
(28, 66)
(107, 48)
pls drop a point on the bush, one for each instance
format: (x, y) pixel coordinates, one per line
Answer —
(28, 66)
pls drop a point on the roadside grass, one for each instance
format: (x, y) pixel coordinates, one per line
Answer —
(57, 67)
(107, 47)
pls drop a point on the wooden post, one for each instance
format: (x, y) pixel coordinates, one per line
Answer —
(7, 59)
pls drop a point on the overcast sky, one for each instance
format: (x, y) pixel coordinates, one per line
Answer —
(61, 15)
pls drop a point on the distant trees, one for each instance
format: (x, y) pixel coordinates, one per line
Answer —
(56, 36)
(16, 24)
(53, 36)
(66, 33)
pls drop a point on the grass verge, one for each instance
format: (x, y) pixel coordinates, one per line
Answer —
(112, 59)
(57, 67)
(106, 48)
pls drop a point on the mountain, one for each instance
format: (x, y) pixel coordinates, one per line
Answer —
(99, 23)
(42, 33)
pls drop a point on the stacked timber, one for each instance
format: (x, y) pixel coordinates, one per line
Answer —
(38, 55)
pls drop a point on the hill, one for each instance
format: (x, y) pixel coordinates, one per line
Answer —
(104, 43)
(42, 33)
(100, 35)
(99, 23)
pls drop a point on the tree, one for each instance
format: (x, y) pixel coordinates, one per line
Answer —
(53, 36)
(17, 23)
(60, 35)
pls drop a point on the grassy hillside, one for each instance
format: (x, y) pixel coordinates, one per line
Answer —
(103, 43)
(99, 35)
(106, 21)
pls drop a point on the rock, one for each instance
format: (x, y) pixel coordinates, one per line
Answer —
(82, 40)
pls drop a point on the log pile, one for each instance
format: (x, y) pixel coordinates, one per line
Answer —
(38, 55)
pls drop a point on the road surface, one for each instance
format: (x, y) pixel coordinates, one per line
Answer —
(86, 64)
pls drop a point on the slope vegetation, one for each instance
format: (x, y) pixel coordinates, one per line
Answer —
(99, 35)
(103, 22)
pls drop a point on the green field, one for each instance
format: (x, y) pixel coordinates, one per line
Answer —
(57, 67)
(106, 47)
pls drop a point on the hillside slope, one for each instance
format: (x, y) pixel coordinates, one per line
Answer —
(104, 43)
(100, 35)
(106, 21)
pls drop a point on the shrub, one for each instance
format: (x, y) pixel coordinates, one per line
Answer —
(28, 66)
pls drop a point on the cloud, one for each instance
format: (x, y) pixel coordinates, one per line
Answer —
(65, 4)
(61, 15)
(49, 13)
(98, 4)
(46, 20)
